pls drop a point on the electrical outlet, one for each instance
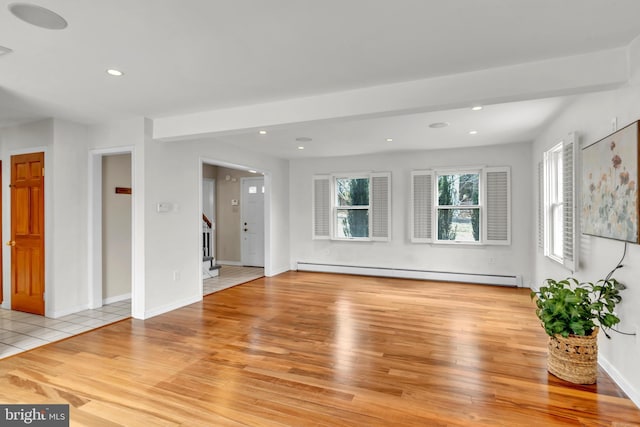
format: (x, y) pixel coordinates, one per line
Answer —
(176, 275)
(614, 124)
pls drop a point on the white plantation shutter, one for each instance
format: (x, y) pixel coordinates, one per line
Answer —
(497, 203)
(381, 206)
(422, 187)
(321, 207)
(569, 247)
(540, 206)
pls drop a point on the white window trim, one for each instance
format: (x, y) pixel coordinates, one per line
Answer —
(426, 214)
(320, 205)
(380, 203)
(493, 204)
(550, 180)
(437, 207)
(568, 158)
(379, 208)
(418, 233)
(335, 208)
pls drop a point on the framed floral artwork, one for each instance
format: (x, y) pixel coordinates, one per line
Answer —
(610, 186)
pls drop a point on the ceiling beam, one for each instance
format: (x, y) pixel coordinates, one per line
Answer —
(553, 77)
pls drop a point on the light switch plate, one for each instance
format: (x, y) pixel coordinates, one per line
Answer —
(163, 207)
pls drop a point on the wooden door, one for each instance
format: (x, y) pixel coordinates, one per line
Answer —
(1, 275)
(27, 233)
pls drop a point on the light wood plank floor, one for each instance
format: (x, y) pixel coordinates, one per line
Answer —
(310, 349)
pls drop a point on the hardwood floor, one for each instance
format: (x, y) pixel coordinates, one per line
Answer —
(311, 349)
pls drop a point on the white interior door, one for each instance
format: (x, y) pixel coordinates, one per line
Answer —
(252, 221)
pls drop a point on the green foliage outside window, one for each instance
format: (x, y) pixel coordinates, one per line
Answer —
(445, 216)
(353, 192)
(456, 221)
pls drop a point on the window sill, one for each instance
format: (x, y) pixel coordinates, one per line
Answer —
(458, 243)
(555, 259)
(354, 239)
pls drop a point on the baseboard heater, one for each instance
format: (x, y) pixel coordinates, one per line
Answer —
(443, 276)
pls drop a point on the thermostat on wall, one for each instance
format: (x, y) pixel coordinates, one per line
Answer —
(164, 207)
(234, 202)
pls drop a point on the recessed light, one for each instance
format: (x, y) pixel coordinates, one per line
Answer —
(389, 139)
(300, 147)
(473, 132)
(262, 132)
(438, 125)
(477, 108)
(114, 72)
(38, 16)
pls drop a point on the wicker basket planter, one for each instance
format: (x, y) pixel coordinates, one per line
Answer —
(575, 358)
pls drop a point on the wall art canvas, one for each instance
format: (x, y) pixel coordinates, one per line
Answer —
(610, 186)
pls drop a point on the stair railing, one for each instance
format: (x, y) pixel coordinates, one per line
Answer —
(206, 237)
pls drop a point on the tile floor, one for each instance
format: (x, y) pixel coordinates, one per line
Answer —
(230, 275)
(23, 331)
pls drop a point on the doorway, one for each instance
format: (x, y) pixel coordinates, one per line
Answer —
(228, 223)
(116, 228)
(210, 267)
(113, 204)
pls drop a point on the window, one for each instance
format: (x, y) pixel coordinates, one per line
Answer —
(465, 206)
(458, 207)
(558, 204)
(352, 206)
(554, 203)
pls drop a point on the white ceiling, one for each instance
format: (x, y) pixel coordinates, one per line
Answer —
(496, 124)
(188, 56)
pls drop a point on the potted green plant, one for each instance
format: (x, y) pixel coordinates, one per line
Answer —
(571, 313)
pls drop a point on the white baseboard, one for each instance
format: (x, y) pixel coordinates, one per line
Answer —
(60, 313)
(116, 298)
(628, 389)
(173, 306)
(277, 271)
(221, 262)
(445, 276)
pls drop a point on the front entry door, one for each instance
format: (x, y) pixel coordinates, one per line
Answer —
(27, 233)
(252, 213)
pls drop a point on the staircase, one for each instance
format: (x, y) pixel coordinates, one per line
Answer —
(206, 245)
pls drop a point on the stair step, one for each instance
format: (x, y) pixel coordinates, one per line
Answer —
(215, 267)
(207, 258)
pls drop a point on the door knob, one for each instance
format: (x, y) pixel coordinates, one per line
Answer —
(11, 243)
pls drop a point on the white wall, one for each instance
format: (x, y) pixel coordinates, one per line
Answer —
(172, 240)
(591, 116)
(67, 192)
(166, 247)
(400, 252)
